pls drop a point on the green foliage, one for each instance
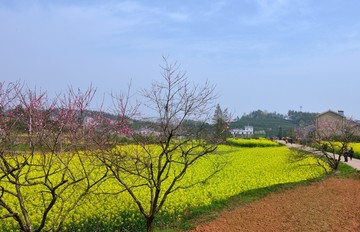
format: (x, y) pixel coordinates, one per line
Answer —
(300, 117)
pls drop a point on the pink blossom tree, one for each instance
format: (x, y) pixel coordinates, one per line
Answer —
(45, 167)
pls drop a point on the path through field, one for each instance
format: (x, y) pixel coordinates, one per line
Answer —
(330, 205)
(355, 163)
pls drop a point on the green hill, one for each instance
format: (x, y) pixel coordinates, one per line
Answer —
(274, 124)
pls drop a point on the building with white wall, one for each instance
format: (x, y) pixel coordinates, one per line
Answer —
(248, 131)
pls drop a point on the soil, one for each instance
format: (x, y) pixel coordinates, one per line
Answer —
(330, 205)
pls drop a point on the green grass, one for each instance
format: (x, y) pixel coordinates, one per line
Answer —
(345, 170)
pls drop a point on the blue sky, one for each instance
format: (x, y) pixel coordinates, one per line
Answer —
(274, 55)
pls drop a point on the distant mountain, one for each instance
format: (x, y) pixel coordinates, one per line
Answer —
(274, 124)
(265, 124)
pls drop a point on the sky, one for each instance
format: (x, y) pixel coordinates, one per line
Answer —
(271, 55)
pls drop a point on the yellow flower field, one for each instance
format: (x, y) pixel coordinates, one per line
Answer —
(243, 169)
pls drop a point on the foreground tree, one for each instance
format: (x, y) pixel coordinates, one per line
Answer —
(44, 163)
(166, 150)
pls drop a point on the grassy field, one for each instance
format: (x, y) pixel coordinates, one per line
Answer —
(245, 170)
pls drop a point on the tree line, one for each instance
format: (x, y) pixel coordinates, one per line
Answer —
(274, 124)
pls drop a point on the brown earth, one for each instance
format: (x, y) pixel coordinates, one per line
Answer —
(330, 205)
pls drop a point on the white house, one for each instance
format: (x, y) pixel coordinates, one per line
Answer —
(246, 132)
(147, 131)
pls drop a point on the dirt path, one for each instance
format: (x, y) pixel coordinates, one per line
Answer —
(331, 205)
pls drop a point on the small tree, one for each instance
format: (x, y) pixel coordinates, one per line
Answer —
(173, 145)
(221, 124)
(43, 173)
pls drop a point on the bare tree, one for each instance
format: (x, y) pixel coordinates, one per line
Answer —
(168, 148)
(42, 170)
(333, 143)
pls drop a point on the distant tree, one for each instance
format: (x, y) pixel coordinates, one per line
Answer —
(162, 157)
(221, 124)
(265, 122)
(280, 132)
(302, 118)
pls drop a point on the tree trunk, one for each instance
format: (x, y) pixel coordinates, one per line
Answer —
(149, 224)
